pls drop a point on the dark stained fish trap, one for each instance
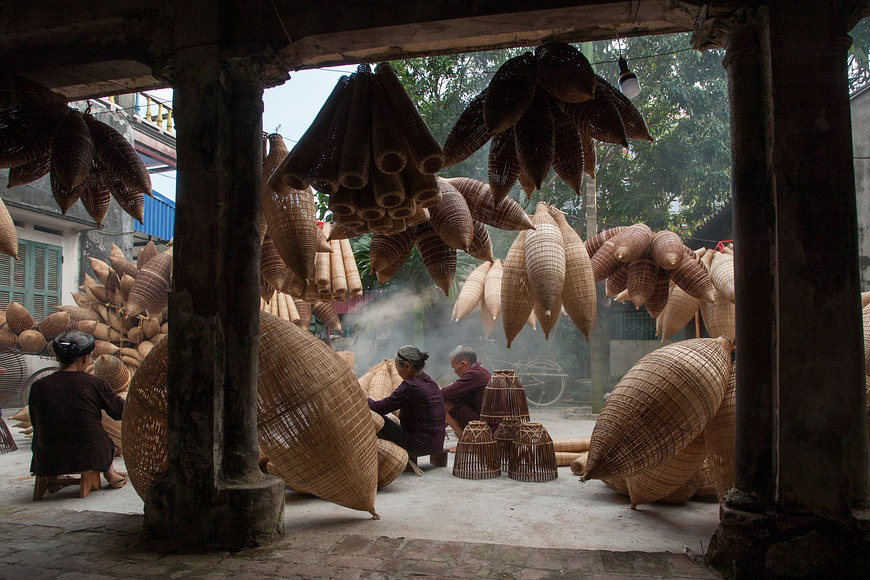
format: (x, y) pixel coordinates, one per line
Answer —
(533, 457)
(504, 436)
(565, 73)
(468, 134)
(477, 453)
(504, 398)
(510, 93)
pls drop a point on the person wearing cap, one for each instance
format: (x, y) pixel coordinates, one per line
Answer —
(65, 410)
(420, 405)
(463, 397)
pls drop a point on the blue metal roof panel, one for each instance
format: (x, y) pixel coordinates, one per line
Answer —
(159, 217)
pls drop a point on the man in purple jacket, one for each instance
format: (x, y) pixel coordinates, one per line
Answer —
(464, 397)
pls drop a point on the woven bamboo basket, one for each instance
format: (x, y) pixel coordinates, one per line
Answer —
(18, 319)
(392, 461)
(290, 219)
(347, 356)
(388, 148)
(598, 118)
(123, 266)
(72, 150)
(468, 134)
(526, 183)
(101, 270)
(388, 188)
(504, 398)
(532, 455)
(8, 340)
(604, 262)
(323, 273)
(377, 421)
(422, 148)
(545, 260)
(720, 318)
(391, 270)
(643, 274)
(589, 155)
(151, 327)
(451, 218)
(355, 157)
(481, 243)
(146, 254)
(336, 266)
(351, 273)
(324, 171)
(477, 453)
(95, 195)
(617, 282)
(423, 188)
(385, 250)
(117, 155)
(22, 143)
(578, 464)
(509, 94)
(131, 201)
(594, 243)
(635, 126)
(663, 480)
(535, 138)
(8, 233)
(566, 458)
(113, 371)
(340, 232)
(30, 171)
(151, 286)
(366, 377)
(312, 422)
(367, 207)
(578, 292)
(568, 154)
(54, 324)
(380, 384)
(295, 168)
(516, 297)
(547, 319)
(504, 215)
(271, 266)
(660, 405)
(438, 257)
(633, 242)
(304, 309)
(571, 445)
(471, 293)
(487, 320)
(113, 430)
(719, 439)
(64, 196)
(681, 309)
(492, 288)
(503, 166)
(144, 348)
(31, 341)
(326, 314)
(722, 275)
(343, 203)
(695, 280)
(658, 300)
(20, 94)
(105, 347)
(564, 72)
(667, 250)
(405, 209)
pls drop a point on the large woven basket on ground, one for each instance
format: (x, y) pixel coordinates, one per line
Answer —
(516, 298)
(532, 454)
(504, 436)
(661, 404)
(506, 214)
(504, 398)
(477, 453)
(719, 439)
(578, 292)
(392, 460)
(663, 480)
(451, 218)
(472, 292)
(545, 259)
(313, 422)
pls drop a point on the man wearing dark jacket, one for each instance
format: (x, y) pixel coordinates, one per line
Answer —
(464, 397)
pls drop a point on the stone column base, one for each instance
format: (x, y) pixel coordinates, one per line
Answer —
(234, 516)
(785, 545)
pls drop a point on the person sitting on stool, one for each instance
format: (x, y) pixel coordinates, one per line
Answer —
(463, 397)
(68, 434)
(418, 399)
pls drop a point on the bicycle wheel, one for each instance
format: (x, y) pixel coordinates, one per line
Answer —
(543, 381)
(40, 374)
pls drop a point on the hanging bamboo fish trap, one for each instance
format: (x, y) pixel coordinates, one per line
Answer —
(451, 218)
(150, 289)
(506, 214)
(324, 171)
(680, 310)
(468, 134)
(477, 453)
(692, 277)
(594, 243)
(532, 456)
(481, 243)
(632, 120)
(568, 154)
(30, 171)
(658, 300)
(438, 257)
(598, 118)
(492, 288)
(578, 292)
(517, 301)
(95, 195)
(385, 249)
(503, 398)
(535, 139)
(388, 147)
(632, 243)
(643, 275)
(617, 282)
(720, 318)
(604, 262)
(565, 73)
(132, 202)
(509, 94)
(117, 155)
(471, 293)
(667, 250)
(722, 275)
(545, 260)
(72, 150)
(64, 196)
(355, 159)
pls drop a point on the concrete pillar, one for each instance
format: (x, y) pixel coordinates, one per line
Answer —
(798, 506)
(213, 492)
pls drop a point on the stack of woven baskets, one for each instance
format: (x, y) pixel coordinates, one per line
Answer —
(541, 110)
(86, 158)
(672, 411)
(370, 151)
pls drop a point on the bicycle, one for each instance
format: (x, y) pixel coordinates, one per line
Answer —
(542, 378)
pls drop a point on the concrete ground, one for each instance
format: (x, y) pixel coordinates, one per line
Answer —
(433, 525)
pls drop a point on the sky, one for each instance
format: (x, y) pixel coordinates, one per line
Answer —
(289, 108)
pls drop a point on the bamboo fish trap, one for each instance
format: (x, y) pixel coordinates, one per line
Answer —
(533, 458)
(578, 292)
(471, 293)
(504, 398)
(516, 298)
(477, 453)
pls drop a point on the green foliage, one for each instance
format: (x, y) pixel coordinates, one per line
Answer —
(859, 62)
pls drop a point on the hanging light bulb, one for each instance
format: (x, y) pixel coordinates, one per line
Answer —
(628, 83)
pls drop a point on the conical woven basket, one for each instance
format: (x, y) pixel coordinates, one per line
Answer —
(64, 196)
(719, 439)
(325, 313)
(578, 292)
(388, 146)
(392, 269)
(643, 274)
(599, 118)
(657, 301)
(30, 171)
(589, 155)
(564, 72)
(8, 233)
(692, 277)
(632, 121)
(685, 492)
(594, 243)
(117, 155)
(604, 262)
(123, 266)
(451, 218)
(481, 243)
(8, 340)
(535, 138)
(423, 188)
(509, 94)
(290, 218)
(380, 383)
(468, 134)
(492, 288)
(516, 298)
(632, 243)
(679, 312)
(388, 188)
(313, 423)
(722, 275)
(663, 480)
(147, 253)
(477, 453)
(504, 215)
(720, 318)
(272, 268)
(487, 320)
(660, 405)
(54, 324)
(95, 196)
(31, 341)
(129, 200)
(392, 461)
(503, 398)
(545, 259)
(150, 289)
(471, 293)
(568, 155)
(532, 455)
(324, 171)
(351, 273)
(667, 250)
(503, 167)
(617, 282)
(18, 319)
(439, 258)
(548, 319)
(72, 150)
(113, 371)
(504, 437)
